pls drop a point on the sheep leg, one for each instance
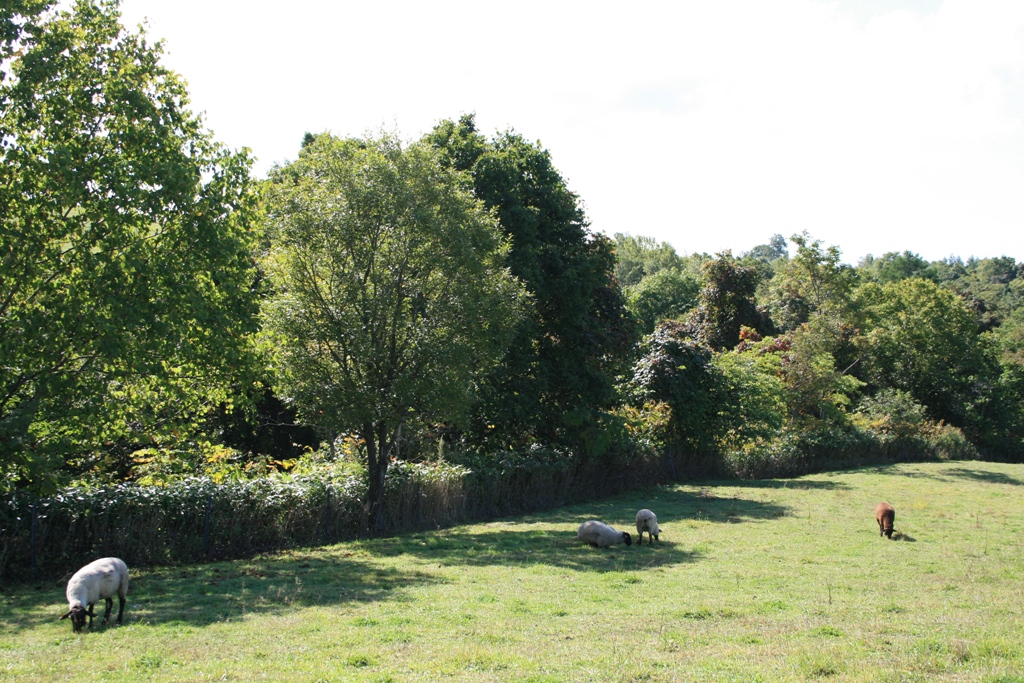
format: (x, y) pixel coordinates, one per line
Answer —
(109, 606)
(120, 610)
(91, 613)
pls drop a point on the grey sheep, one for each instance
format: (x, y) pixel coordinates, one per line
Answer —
(600, 535)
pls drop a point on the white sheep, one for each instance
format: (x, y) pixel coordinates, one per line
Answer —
(600, 535)
(647, 521)
(96, 581)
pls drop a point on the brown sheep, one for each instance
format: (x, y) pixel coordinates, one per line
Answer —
(885, 515)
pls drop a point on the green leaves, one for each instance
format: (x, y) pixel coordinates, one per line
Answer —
(124, 242)
(390, 296)
(558, 374)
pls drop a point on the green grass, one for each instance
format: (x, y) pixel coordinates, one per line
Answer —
(779, 580)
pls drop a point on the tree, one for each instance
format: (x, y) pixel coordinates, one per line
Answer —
(558, 375)
(919, 337)
(775, 249)
(894, 266)
(125, 235)
(390, 294)
(726, 303)
(666, 294)
(813, 281)
(677, 370)
(637, 257)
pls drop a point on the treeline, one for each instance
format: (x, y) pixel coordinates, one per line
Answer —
(164, 315)
(778, 363)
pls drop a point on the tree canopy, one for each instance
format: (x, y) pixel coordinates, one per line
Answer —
(390, 292)
(125, 232)
(558, 374)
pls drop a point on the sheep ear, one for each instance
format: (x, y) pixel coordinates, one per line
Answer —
(65, 616)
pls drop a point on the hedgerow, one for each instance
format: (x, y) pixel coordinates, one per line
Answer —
(196, 518)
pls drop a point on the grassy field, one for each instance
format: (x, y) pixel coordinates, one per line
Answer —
(779, 580)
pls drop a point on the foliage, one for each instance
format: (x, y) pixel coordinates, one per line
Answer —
(816, 386)
(557, 378)
(993, 288)
(125, 274)
(814, 280)
(390, 291)
(895, 266)
(903, 429)
(726, 303)
(665, 295)
(774, 250)
(637, 257)
(319, 500)
(752, 398)
(677, 370)
(920, 338)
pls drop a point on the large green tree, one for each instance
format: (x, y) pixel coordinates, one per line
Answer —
(919, 337)
(125, 267)
(390, 291)
(558, 375)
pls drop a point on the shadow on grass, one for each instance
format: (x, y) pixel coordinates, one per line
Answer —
(524, 547)
(199, 595)
(970, 474)
(519, 543)
(796, 484)
(982, 475)
(362, 571)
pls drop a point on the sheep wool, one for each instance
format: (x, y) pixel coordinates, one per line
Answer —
(885, 515)
(647, 521)
(600, 535)
(99, 580)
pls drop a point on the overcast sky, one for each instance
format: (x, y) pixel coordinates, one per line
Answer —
(875, 125)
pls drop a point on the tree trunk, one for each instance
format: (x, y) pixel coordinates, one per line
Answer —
(379, 447)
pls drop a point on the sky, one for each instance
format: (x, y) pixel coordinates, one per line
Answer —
(874, 125)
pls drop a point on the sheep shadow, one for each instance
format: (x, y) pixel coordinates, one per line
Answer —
(200, 595)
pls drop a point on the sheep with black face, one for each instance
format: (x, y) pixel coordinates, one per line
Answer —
(647, 521)
(99, 580)
(600, 535)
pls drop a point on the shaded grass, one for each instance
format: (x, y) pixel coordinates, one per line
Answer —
(779, 580)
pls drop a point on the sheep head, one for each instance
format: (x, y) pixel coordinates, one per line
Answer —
(77, 614)
(626, 538)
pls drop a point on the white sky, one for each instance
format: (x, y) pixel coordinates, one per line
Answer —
(876, 125)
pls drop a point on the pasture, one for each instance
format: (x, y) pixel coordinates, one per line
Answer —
(774, 580)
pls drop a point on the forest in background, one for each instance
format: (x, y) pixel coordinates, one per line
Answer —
(165, 317)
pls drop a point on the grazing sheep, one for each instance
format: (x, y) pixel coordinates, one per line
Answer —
(600, 535)
(647, 521)
(885, 515)
(96, 581)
